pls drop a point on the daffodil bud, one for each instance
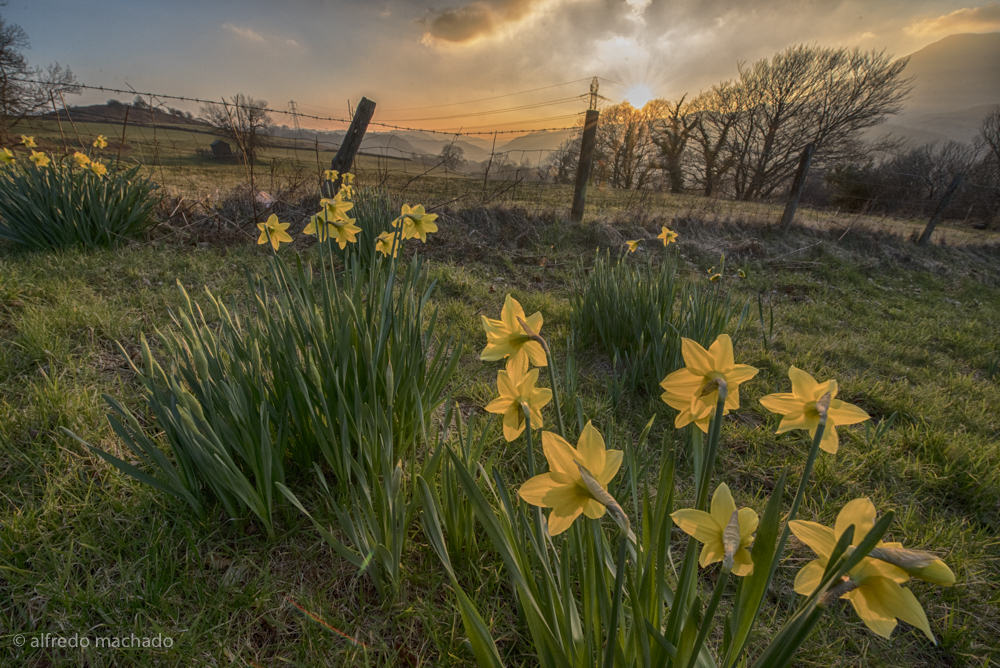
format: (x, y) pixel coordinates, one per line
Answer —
(602, 496)
(731, 540)
(916, 563)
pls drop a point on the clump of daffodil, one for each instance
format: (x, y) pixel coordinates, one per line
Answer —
(724, 532)
(386, 244)
(577, 480)
(40, 159)
(667, 236)
(506, 337)
(336, 208)
(872, 586)
(97, 168)
(799, 409)
(633, 245)
(342, 231)
(516, 385)
(29, 142)
(81, 159)
(694, 390)
(416, 223)
(6, 156)
(101, 142)
(273, 231)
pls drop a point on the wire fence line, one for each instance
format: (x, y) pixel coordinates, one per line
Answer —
(193, 162)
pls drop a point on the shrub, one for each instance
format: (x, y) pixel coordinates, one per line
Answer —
(62, 206)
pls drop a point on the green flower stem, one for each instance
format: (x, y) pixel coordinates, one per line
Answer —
(714, 431)
(554, 382)
(609, 653)
(527, 435)
(706, 623)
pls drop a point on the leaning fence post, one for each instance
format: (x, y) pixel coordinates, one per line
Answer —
(586, 160)
(797, 185)
(349, 147)
(939, 211)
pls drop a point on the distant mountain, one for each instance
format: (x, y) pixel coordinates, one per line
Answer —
(115, 113)
(956, 82)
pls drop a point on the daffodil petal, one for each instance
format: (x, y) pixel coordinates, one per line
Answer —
(697, 360)
(592, 449)
(594, 509)
(872, 611)
(742, 563)
(722, 507)
(612, 462)
(697, 523)
(711, 552)
(804, 386)
(831, 441)
(748, 524)
(722, 350)
(809, 577)
(534, 490)
(561, 455)
(843, 413)
(782, 403)
(561, 519)
(860, 513)
(821, 539)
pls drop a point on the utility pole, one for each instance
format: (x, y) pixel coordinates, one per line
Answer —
(295, 115)
(587, 144)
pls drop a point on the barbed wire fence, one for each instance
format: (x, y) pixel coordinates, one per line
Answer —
(205, 180)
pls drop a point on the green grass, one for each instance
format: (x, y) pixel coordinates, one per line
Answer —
(85, 549)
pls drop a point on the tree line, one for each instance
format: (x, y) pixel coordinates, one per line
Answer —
(743, 138)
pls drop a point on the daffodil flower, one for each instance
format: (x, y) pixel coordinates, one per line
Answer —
(710, 530)
(101, 142)
(384, 244)
(506, 337)
(97, 168)
(275, 230)
(336, 208)
(799, 408)
(667, 236)
(81, 159)
(516, 386)
(633, 245)
(7, 156)
(40, 159)
(415, 222)
(690, 390)
(342, 231)
(29, 142)
(715, 277)
(577, 480)
(331, 174)
(873, 585)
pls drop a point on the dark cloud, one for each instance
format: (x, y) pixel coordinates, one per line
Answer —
(478, 19)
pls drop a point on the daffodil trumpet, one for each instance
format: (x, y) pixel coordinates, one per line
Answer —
(553, 381)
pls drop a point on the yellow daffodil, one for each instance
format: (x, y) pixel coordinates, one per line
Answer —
(516, 386)
(568, 490)
(97, 168)
(384, 244)
(39, 159)
(331, 174)
(714, 277)
(415, 222)
(275, 230)
(342, 231)
(710, 530)
(633, 245)
(101, 142)
(336, 208)
(691, 391)
(799, 408)
(81, 159)
(741, 273)
(873, 586)
(29, 142)
(667, 236)
(6, 156)
(506, 337)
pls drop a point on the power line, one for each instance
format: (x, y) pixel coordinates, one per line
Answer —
(471, 114)
(486, 99)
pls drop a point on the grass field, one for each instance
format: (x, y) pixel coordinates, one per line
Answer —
(905, 330)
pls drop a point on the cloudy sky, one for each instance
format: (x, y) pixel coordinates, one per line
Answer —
(413, 57)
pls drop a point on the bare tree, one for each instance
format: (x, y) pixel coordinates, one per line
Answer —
(990, 132)
(717, 112)
(673, 125)
(25, 90)
(624, 149)
(808, 95)
(563, 162)
(244, 120)
(452, 156)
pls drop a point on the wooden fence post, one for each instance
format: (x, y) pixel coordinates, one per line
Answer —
(586, 160)
(939, 211)
(349, 147)
(797, 185)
